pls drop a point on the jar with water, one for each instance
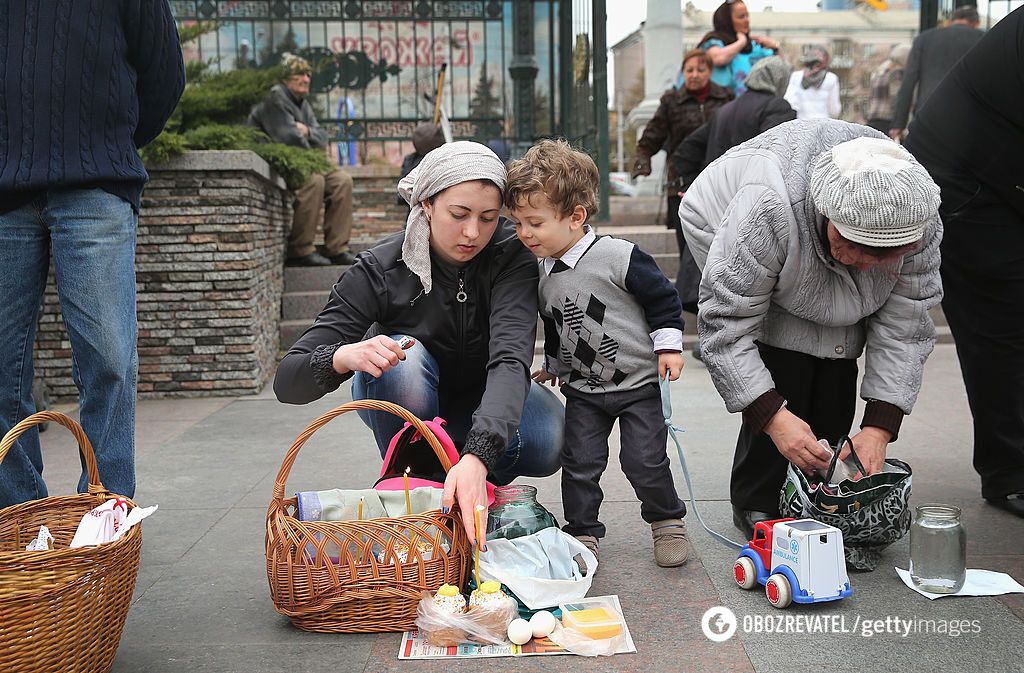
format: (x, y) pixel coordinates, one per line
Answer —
(516, 513)
(938, 549)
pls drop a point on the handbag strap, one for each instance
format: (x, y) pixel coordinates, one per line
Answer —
(843, 441)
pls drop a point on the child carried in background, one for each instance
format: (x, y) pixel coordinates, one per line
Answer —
(612, 325)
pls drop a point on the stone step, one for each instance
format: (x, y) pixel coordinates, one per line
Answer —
(303, 305)
(311, 278)
(290, 331)
(652, 239)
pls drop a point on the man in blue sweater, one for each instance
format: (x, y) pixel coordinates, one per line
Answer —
(85, 84)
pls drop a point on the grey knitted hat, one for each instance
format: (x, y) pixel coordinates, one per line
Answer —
(874, 192)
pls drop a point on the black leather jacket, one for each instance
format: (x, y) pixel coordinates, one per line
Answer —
(483, 346)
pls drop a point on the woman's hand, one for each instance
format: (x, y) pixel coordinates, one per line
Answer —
(642, 166)
(466, 483)
(373, 356)
(870, 443)
(670, 364)
(766, 42)
(795, 441)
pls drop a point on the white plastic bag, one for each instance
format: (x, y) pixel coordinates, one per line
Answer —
(539, 568)
(483, 626)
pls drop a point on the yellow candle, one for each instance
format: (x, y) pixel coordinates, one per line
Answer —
(479, 541)
(408, 501)
(359, 516)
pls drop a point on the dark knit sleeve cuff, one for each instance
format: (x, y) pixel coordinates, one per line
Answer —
(321, 361)
(487, 446)
(879, 414)
(760, 411)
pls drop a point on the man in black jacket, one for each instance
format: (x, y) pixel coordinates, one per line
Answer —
(933, 54)
(970, 137)
(287, 117)
(85, 84)
(762, 107)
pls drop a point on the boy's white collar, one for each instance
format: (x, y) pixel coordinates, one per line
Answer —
(572, 256)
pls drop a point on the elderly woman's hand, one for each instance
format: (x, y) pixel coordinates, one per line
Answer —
(870, 443)
(795, 441)
(466, 483)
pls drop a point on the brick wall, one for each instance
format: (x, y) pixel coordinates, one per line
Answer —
(209, 278)
(376, 211)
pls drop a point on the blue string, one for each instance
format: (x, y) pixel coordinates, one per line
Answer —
(666, 409)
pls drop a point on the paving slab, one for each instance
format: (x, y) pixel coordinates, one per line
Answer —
(202, 602)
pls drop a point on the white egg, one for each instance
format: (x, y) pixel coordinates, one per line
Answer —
(520, 631)
(542, 623)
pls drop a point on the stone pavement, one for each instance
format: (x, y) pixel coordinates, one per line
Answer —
(202, 602)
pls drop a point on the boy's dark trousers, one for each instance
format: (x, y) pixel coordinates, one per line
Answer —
(643, 456)
(822, 392)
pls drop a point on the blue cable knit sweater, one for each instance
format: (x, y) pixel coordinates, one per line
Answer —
(85, 84)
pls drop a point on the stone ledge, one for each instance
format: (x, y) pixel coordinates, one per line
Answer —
(221, 160)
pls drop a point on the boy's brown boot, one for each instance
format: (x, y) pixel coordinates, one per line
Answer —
(590, 542)
(671, 548)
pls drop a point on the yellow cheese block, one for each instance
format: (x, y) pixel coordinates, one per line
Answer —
(596, 623)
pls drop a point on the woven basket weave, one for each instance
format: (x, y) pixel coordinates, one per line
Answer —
(359, 576)
(63, 609)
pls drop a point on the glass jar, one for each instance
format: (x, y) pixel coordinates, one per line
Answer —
(516, 513)
(938, 549)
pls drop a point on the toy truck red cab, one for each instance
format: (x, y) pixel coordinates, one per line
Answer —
(797, 561)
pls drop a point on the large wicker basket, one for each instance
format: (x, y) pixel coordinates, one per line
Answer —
(63, 609)
(359, 576)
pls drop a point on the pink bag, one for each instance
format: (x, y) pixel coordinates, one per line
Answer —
(408, 449)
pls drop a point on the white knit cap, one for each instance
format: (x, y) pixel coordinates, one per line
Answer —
(449, 164)
(874, 192)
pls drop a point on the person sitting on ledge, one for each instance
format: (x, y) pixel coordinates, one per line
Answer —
(287, 117)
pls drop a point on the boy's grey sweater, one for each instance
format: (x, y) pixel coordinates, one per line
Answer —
(598, 317)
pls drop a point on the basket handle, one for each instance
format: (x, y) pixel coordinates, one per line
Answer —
(370, 405)
(84, 445)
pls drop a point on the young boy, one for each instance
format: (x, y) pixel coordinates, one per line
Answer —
(612, 325)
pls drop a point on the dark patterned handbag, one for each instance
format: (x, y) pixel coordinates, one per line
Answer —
(872, 512)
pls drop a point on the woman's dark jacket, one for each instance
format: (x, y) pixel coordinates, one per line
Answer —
(750, 115)
(678, 115)
(483, 346)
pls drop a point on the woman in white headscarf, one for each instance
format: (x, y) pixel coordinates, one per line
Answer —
(814, 91)
(461, 284)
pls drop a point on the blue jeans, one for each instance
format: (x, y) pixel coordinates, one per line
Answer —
(413, 384)
(91, 235)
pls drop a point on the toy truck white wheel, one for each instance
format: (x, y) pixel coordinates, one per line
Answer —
(745, 573)
(778, 591)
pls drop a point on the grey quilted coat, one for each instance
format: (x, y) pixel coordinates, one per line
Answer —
(768, 276)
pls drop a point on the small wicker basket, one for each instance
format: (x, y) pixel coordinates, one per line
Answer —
(62, 609)
(359, 576)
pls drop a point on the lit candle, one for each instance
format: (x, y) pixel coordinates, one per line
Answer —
(479, 541)
(408, 501)
(359, 516)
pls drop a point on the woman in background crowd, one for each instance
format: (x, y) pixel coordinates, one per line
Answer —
(681, 112)
(732, 48)
(885, 85)
(814, 91)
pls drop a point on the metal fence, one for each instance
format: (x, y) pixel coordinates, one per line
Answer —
(375, 60)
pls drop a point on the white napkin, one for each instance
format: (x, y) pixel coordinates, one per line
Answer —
(978, 583)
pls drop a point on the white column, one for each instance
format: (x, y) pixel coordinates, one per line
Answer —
(663, 52)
